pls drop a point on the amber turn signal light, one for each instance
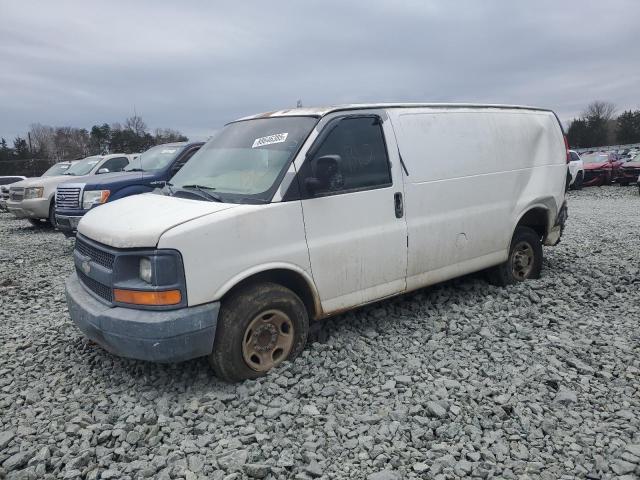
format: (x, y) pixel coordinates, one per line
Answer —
(137, 297)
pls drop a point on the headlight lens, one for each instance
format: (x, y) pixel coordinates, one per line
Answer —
(91, 198)
(33, 192)
(146, 271)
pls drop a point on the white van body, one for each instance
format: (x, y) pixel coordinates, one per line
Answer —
(462, 177)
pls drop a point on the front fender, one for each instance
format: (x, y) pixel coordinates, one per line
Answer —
(265, 268)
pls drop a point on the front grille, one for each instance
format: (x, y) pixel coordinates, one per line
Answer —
(68, 197)
(96, 287)
(99, 256)
(16, 194)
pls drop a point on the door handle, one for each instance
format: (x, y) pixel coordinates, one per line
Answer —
(397, 200)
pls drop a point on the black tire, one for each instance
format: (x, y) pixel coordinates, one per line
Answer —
(624, 184)
(51, 220)
(36, 222)
(577, 185)
(505, 273)
(240, 310)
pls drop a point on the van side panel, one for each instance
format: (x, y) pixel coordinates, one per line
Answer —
(472, 174)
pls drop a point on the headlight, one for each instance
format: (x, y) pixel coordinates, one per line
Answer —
(91, 198)
(33, 192)
(146, 271)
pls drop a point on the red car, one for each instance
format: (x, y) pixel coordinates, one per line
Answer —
(629, 171)
(601, 168)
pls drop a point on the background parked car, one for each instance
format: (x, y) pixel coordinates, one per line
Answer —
(576, 170)
(150, 170)
(629, 171)
(33, 198)
(600, 168)
(4, 188)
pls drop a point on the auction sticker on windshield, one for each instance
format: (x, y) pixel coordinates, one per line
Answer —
(270, 139)
(168, 150)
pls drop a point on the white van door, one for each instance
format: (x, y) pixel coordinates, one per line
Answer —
(352, 201)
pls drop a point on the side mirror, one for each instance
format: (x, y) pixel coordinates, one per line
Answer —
(312, 184)
(103, 170)
(326, 174)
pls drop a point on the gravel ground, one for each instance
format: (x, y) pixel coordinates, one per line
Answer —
(539, 380)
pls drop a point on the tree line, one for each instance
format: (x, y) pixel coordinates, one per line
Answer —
(70, 143)
(598, 126)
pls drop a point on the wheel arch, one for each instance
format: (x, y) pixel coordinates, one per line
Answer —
(538, 216)
(290, 276)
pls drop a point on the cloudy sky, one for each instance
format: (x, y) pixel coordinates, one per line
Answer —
(195, 65)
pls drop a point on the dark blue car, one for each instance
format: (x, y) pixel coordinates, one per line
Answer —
(149, 171)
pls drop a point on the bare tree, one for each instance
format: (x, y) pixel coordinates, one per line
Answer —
(43, 139)
(600, 110)
(136, 125)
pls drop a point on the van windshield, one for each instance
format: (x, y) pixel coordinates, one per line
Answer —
(243, 162)
(83, 167)
(155, 158)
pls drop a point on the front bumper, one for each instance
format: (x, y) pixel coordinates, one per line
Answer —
(67, 223)
(159, 336)
(31, 208)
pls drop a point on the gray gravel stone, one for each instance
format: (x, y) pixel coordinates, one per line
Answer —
(16, 461)
(535, 380)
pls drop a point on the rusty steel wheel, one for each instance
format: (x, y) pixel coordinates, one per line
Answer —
(259, 326)
(267, 340)
(522, 258)
(524, 261)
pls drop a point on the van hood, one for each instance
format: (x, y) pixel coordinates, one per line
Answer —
(140, 220)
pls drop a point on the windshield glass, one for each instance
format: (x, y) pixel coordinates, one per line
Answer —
(57, 169)
(155, 158)
(83, 167)
(244, 160)
(597, 158)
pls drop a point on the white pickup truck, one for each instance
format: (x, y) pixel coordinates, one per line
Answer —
(296, 215)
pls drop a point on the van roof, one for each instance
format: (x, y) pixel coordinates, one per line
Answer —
(324, 110)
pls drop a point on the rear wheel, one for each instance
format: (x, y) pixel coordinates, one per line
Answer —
(259, 327)
(524, 262)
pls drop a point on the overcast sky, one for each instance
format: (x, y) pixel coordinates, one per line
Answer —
(194, 66)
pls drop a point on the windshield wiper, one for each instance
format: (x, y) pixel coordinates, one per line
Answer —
(135, 170)
(203, 190)
(169, 186)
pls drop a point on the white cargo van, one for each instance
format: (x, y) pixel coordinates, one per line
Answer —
(296, 215)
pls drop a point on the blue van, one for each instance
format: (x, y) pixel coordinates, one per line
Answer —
(149, 171)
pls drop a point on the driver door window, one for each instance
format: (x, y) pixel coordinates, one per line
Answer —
(352, 157)
(115, 164)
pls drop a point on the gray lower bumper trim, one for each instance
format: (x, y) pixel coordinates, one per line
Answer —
(160, 336)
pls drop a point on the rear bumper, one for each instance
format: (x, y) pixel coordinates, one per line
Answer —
(32, 208)
(159, 336)
(555, 234)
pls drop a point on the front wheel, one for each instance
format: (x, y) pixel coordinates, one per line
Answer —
(524, 262)
(51, 220)
(259, 327)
